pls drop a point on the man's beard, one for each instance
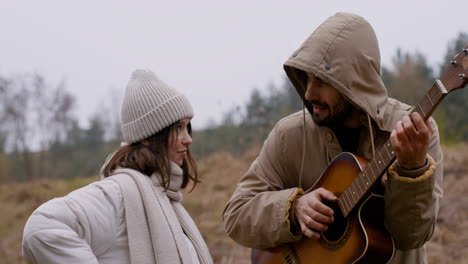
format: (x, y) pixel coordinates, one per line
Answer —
(341, 111)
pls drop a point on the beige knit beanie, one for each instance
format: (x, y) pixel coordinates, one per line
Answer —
(150, 105)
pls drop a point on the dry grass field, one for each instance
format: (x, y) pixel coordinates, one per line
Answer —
(220, 174)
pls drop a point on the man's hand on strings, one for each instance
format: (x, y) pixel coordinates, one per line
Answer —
(410, 140)
(312, 214)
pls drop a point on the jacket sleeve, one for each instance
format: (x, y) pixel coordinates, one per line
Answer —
(412, 204)
(257, 214)
(75, 228)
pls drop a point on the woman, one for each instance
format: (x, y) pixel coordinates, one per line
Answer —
(133, 215)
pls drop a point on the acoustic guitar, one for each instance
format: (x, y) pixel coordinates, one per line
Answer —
(358, 235)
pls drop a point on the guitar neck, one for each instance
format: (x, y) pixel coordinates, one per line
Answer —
(385, 155)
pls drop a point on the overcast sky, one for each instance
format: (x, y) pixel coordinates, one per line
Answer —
(215, 52)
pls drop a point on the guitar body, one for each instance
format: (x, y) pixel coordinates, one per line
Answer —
(359, 238)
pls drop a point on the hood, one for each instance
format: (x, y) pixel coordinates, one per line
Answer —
(343, 51)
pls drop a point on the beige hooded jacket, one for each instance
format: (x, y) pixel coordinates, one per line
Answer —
(343, 52)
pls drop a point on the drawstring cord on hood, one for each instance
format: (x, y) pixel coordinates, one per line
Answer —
(371, 134)
(303, 145)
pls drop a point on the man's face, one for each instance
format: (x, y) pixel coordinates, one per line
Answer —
(330, 108)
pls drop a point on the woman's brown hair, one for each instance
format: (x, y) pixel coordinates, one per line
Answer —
(151, 155)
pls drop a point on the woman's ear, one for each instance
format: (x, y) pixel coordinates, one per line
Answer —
(146, 143)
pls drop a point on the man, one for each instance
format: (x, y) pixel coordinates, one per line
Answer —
(337, 74)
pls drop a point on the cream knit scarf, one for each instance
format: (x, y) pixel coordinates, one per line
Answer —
(158, 237)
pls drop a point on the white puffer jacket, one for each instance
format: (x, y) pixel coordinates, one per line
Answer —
(86, 226)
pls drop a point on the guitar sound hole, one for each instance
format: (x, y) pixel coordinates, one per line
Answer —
(337, 229)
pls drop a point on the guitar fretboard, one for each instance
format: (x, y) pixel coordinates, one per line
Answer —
(385, 155)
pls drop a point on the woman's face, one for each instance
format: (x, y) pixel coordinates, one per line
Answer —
(179, 140)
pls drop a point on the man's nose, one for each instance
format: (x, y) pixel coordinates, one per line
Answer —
(311, 93)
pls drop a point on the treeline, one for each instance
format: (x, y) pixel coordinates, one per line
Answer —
(41, 137)
(243, 127)
(407, 79)
(411, 77)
